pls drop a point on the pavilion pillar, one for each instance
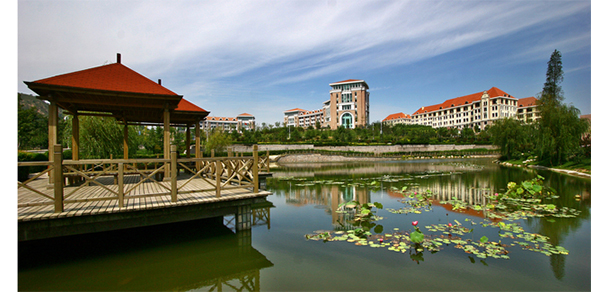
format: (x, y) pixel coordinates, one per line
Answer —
(166, 138)
(125, 142)
(198, 144)
(188, 141)
(53, 121)
(75, 137)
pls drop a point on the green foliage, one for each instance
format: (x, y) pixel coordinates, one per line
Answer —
(218, 140)
(417, 236)
(101, 136)
(372, 134)
(560, 128)
(364, 217)
(512, 137)
(32, 128)
(556, 137)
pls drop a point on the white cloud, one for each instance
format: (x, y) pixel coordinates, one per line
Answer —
(208, 44)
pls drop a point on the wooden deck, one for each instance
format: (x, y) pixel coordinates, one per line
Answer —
(93, 200)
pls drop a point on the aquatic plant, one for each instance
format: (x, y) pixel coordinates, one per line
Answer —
(519, 202)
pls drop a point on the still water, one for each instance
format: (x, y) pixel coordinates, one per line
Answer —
(206, 255)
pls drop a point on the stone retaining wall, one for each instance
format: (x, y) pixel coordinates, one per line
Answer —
(369, 149)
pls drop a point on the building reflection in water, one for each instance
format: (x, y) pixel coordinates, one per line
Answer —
(330, 196)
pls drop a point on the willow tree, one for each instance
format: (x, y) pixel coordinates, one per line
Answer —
(102, 136)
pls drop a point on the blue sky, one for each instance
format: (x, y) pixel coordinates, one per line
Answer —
(265, 57)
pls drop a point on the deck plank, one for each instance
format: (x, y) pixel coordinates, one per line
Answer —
(90, 204)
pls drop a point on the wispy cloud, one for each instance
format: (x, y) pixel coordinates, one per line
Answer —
(218, 48)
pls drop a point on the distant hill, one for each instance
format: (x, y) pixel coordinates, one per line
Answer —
(28, 101)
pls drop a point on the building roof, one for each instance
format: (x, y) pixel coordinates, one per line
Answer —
(295, 110)
(112, 77)
(396, 116)
(527, 101)
(245, 115)
(466, 99)
(347, 81)
(350, 81)
(116, 89)
(221, 119)
(187, 106)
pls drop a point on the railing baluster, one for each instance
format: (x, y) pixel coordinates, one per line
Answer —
(174, 173)
(218, 174)
(120, 182)
(58, 178)
(255, 168)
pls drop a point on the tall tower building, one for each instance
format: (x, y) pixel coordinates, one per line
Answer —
(349, 104)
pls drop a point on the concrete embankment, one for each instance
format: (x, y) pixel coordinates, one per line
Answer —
(564, 171)
(378, 149)
(323, 158)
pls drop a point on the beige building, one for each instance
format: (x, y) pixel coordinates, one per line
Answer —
(527, 110)
(477, 109)
(397, 118)
(348, 106)
(242, 122)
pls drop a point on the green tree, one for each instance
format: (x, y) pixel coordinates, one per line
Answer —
(102, 136)
(559, 128)
(509, 135)
(32, 128)
(217, 140)
(466, 135)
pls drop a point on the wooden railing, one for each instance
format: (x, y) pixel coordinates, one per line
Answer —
(220, 173)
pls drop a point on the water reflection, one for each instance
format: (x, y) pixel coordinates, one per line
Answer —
(200, 254)
(466, 181)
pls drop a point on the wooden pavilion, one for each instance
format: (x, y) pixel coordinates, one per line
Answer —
(117, 91)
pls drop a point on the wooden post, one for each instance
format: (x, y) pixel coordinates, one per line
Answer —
(174, 178)
(268, 161)
(255, 168)
(75, 137)
(218, 174)
(125, 141)
(52, 135)
(120, 184)
(198, 144)
(188, 141)
(58, 179)
(211, 152)
(166, 138)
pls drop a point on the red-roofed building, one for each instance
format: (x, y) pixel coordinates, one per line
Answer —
(477, 109)
(348, 106)
(119, 92)
(527, 110)
(397, 118)
(242, 122)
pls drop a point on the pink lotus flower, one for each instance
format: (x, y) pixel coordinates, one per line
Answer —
(414, 223)
(496, 194)
(450, 224)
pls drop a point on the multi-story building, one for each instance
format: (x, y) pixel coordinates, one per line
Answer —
(527, 110)
(242, 122)
(477, 109)
(397, 118)
(348, 106)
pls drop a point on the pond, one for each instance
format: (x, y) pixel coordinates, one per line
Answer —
(308, 201)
